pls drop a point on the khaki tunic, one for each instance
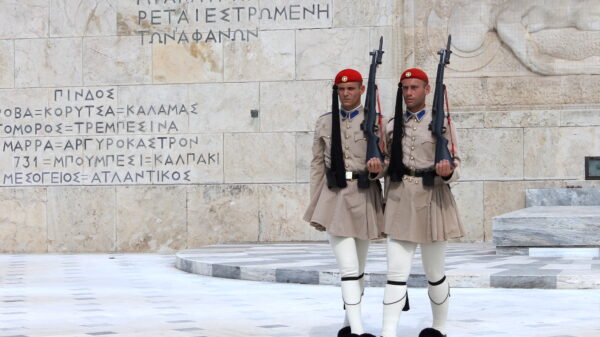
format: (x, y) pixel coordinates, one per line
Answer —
(413, 212)
(350, 211)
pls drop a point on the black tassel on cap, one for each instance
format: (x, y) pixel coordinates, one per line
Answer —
(397, 168)
(338, 170)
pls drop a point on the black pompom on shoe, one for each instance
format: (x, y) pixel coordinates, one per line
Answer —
(344, 332)
(431, 332)
(367, 335)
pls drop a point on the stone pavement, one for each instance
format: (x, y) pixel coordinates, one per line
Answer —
(134, 295)
(469, 265)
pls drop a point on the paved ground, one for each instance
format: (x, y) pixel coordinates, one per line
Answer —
(468, 265)
(145, 295)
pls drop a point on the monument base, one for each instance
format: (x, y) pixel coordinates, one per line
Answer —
(558, 222)
(570, 252)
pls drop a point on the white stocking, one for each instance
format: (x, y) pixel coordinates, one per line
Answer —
(347, 256)
(362, 247)
(433, 255)
(399, 257)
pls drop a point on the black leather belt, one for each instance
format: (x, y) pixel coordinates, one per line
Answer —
(352, 175)
(420, 172)
(428, 175)
(362, 179)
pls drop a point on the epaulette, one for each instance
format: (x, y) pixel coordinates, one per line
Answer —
(391, 119)
(325, 114)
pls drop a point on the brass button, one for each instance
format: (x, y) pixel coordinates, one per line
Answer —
(412, 147)
(413, 138)
(346, 156)
(347, 136)
(347, 147)
(348, 126)
(415, 128)
(412, 158)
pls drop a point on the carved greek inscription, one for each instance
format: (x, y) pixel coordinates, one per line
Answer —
(84, 137)
(217, 21)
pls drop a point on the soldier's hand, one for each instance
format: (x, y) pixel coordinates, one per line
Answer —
(318, 227)
(443, 168)
(374, 165)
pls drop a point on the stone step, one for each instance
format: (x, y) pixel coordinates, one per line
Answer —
(562, 197)
(468, 265)
(548, 226)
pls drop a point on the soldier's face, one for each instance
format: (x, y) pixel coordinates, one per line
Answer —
(414, 91)
(349, 94)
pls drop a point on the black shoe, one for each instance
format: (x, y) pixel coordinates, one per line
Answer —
(431, 332)
(344, 332)
(367, 335)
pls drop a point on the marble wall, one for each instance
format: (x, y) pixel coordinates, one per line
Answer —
(154, 126)
(523, 101)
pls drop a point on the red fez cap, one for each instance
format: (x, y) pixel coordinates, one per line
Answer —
(414, 73)
(348, 75)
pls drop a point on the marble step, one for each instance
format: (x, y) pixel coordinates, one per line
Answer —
(548, 226)
(468, 265)
(562, 197)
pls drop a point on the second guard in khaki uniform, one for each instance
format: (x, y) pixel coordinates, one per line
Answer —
(347, 205)
(420, 208)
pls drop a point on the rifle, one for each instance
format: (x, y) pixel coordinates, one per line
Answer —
(369, 125)
(437, 124)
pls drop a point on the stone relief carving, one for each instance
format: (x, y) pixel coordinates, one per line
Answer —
(550, 37)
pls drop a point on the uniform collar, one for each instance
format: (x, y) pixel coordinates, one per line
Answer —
(418, 115)
(351, 114)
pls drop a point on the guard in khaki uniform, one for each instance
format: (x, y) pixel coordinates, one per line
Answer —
(420, 208)
(344, 201)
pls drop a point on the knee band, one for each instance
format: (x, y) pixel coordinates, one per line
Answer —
(438, 282)
(406, 304)
(434, 284)
(353, 278)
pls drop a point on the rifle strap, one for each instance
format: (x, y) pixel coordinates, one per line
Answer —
(449, 121)
(380, 121)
